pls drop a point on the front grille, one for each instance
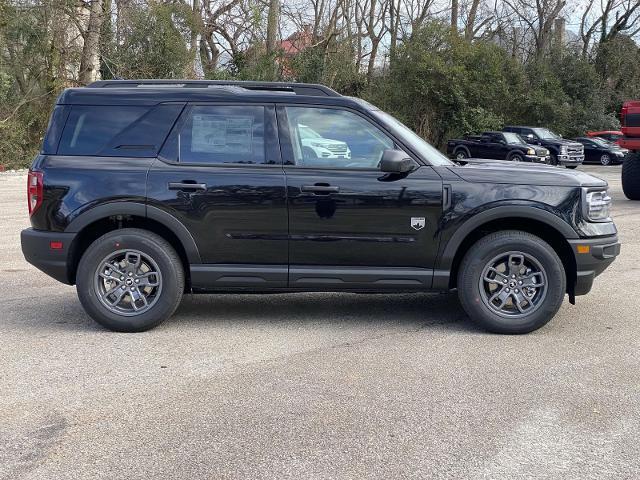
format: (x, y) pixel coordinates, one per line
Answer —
(575, 150)
(337, 148)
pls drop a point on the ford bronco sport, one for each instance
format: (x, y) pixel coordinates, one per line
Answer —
(145, 190)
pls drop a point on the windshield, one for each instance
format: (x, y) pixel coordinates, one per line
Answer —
(545, 133)
(424, 149)
(512, 138)
(306, 132)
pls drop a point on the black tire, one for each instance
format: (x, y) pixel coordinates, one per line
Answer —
(461, 154)
(309, 153)
(152, 247)
(516, 157)
(631, 177)
(571, 167)
(554, 160)
(470, 275)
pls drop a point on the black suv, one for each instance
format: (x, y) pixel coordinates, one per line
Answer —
(563, 152)
(147, 190)
(497, 145)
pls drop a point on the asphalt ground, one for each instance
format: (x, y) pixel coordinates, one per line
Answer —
(326, 386)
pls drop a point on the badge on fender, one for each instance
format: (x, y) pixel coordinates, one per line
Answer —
(417, 223)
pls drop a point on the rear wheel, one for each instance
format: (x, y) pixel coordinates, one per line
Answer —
(511, 282)
(461, 154)
(631, 176)
(130, 280)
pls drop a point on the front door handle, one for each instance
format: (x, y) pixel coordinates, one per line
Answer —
(320, 189)
(187, 186)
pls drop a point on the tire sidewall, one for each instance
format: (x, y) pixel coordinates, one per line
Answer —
(474, 264)
(462, 151)
(149, 244)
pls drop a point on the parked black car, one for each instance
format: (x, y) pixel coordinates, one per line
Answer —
(597, 150)
(563, 152)
(143, 194)
(496, 145)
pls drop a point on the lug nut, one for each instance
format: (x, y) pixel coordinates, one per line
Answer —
(121, 278)
(508, 290)
(516, 290)
(138, 280)
(520, 282)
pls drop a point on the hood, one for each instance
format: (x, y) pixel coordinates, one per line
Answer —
(519, 173)
(560, 141)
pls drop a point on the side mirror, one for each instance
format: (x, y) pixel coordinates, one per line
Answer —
(396, 161)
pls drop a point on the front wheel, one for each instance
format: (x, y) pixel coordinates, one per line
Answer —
(511, 282)
(130, 280)
(605, 159)
(571, 167)
(631, 177)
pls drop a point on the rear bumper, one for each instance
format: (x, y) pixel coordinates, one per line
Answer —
(36, 248)
(601, 253)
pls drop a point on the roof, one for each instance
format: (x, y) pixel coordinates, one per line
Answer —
(313, 89)
(152, 92)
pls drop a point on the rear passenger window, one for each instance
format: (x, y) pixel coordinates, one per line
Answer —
(222, 134)
(90, 128)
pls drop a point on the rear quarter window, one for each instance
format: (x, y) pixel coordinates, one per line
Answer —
(120, 131)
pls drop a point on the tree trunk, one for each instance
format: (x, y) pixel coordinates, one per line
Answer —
(91, 47)
(454, 15)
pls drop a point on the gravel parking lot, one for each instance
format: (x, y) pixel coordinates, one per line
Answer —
(317, 385)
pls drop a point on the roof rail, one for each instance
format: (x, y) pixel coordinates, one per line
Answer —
(310, 89)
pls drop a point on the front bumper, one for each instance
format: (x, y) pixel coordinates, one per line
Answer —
(536, 159)
(570, 159)
(37, 250)
(593, 256)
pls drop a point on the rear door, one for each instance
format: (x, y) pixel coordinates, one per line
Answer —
(220, 175)
(351, 225)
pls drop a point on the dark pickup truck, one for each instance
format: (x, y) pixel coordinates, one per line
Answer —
(496, 145)
(563, 152)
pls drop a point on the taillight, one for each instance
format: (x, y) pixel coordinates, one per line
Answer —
(34, 191)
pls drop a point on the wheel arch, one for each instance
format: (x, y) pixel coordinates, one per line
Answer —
(462, 147)
(102, 219)
(538, 222)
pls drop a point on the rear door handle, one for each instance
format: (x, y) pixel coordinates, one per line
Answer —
(187, 186)
(320, 189)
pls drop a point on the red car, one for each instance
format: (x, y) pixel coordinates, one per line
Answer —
(612, 136)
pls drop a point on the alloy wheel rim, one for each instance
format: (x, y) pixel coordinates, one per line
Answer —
(605, 160)
(513, 284)
(128, 282)
(460, 155)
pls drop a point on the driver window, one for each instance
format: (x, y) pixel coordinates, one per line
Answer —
(332, 138)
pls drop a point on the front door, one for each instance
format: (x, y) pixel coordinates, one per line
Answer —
(220, 175)
(352, 226)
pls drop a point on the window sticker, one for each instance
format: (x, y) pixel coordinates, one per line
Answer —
(222, 134)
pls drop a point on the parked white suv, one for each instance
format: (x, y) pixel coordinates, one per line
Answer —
(315, 145)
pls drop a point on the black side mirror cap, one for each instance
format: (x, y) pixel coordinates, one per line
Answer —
(396, 161)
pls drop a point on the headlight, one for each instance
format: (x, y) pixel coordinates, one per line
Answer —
(597, 205)
(531, 151)
(319, 145)
(563, 150)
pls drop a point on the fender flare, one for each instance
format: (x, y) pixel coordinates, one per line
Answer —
(141, 210)
(500, 212)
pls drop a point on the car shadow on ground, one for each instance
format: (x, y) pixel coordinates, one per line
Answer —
(411, 310)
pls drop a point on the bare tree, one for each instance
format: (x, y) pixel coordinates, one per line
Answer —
(90, 50)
